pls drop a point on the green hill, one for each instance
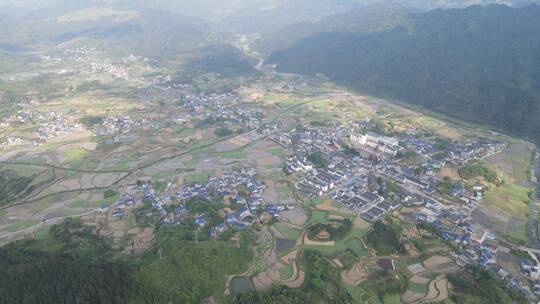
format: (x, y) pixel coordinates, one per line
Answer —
(481, 64)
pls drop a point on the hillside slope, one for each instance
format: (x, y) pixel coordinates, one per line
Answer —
(481, 64)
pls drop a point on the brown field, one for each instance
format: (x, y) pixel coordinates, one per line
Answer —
(450, 172)
(309, 242)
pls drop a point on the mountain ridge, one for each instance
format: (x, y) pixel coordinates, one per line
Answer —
(470, 63)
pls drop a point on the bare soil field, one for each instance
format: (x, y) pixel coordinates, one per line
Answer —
(327, 205)
(356, 274)
(296, 217)
(492, 218)
(411, 297)
(450, 172)
(360, 223)
(309, 242)
(515, 162)
(435, 261)
(437, 290)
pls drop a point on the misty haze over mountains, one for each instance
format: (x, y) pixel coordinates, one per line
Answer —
(482, 60)
(306, 36)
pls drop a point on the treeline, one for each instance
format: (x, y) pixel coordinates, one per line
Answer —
(74, 265)
(41, 277)
(337, 230)
(177, 270)
(478, 169)
(90, 120)
(318, 159)
(385, 238)
(476, 285)
(479, 64)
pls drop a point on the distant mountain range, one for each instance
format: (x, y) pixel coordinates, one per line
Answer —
(369, 19)
(111, 27)
(481, 64)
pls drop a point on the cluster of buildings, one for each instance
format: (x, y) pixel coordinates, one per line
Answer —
(305, 139)
(375, 142)
(239, 188)
(477, 246)
(360, 181)
(96, 64)
(220, 107)
(48, 125)
(55, 126)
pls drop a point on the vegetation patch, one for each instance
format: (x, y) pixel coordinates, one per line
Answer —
(476, 285)
(287, 232)
(385, 238)
(478, 169)
(200, 177)
(513, 198)
(11, 185)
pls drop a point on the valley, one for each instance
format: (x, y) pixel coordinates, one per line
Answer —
(150, 157)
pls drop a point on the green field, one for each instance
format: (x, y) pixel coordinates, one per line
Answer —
(286, 232)
(519, 232)
(164, 174)
(512, 198)
(277, 151)
(419, 288)
(318, 216)
(74, 157)
(94, 204)
(235, 154)
(287, 272)
(20, 225)
(519, 157)
(199, 177)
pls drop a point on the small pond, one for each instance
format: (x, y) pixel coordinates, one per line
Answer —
(240, 285)
(283, 244)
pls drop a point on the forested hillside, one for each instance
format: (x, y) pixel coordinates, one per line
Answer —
(481, 64)
(370, 19)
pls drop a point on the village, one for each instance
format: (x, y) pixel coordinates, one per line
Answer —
(366, 173)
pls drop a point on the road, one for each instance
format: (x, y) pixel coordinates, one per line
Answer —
(532, 225)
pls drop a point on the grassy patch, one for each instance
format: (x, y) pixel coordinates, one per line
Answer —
(519, 232)
(20, 225)
(392, 299)
(356, 293)
(281, 188)
(90, 163)
(512, 198)
(287, 272)
(93, 204)
(260, 264)
(520, 160)
(417, 287)
(164, 174)
(313, 202)
(235, 154)
(318, 216)
(74, 157)
(276, 151)
(286, 232)
(200, 177)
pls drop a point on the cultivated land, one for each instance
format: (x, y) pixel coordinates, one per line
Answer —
(132, 150)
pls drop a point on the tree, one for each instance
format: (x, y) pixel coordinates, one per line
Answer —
(317, 158)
